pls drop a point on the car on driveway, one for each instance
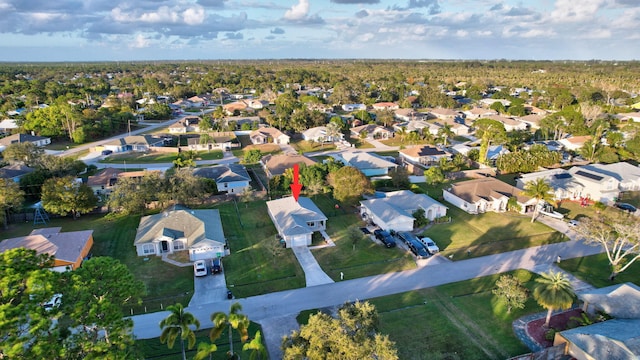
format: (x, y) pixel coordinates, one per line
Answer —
(216, 266)
(431, 246)
(406, 236)
(573, 223)
(418, 249)
(385, 238)
(626, 207)
(200, 268)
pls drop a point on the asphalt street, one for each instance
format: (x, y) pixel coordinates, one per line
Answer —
(279, 307)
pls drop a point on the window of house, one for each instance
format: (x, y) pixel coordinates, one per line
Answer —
(148, 249)
(178, 245)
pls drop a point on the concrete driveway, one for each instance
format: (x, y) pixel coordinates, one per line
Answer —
(209, 289)
(313, 273)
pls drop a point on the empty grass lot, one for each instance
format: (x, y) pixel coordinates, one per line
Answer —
(489, 233)
(306, 146)
(461, 320)
(155, 158)
(154, 349)
(113, 236)
(595, 270)
(265, 149)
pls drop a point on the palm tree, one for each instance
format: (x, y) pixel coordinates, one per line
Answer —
(259, 351)
(234, 320)
(540, 190)
(204, 350)
(178, 324)
(445, 133)
(553, 291)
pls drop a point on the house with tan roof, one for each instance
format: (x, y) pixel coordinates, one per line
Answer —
(385, 106)
(372, 132)
(409, 115)
(425, 155)
(198, 101)
(230, 108)
(181, 229)
(268, 135)
(532, 120)
(277, 164)
(478, 196)
(296, 221)
(419, 126)
(488, 102)
(185, 125)
(457, 127)
(103, 182)
(479, 113)
(442, 113)
(24, 138)
(632, 116)
(510, 124)
(68, 248)
(574, 143)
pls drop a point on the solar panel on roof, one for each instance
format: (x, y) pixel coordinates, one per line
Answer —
(562, 176)
(589, 175)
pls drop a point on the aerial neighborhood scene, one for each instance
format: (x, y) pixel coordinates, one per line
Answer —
(440, 201)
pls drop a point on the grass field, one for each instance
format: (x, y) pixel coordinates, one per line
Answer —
(595, 270)
(488, 233)
(265, 149)
(461, 320)
(306, 146)
(154, 158)
(154, 349)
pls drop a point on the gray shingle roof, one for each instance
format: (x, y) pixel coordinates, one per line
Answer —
(619, 301)
(65, 246)
(617, 339)
(399, 203)
(224, 173)
(291, 217)
(195, 225)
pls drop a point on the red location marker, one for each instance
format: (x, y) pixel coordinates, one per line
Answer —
(296, 186)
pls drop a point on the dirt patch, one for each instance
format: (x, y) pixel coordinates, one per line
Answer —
(559, 322)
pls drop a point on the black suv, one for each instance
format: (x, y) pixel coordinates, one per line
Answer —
(216, 266)
(626, 207)
(385, 237)
(418, 249)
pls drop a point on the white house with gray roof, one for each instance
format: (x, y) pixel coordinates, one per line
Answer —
(296, 221)
(197, 231)
(232, 178)
(395, 210)
(368, 164)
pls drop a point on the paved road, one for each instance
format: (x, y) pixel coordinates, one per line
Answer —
(275, 309)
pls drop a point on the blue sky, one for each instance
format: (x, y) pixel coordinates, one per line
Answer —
(94, 30)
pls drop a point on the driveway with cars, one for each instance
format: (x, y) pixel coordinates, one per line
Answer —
(209, 289)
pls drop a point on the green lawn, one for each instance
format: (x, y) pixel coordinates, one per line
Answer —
(265, 149)
(595, 270)
(113, 236)
(251, 269)
(488, 233)
(153, 158)
(461, 320)
(154, 349)
(360, 144)
(306, 146)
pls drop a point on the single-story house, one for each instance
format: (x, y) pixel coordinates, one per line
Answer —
(409, 115)
(266, 135)
(494, 151)
(232, 178)
(24, 138)
(420, 126)
(461, 149)
(372, 131)
(618, 338)
(395, 210)
(354, 107)
(134, 143)
(185, 125)
(223, 140)
(532, 120)
(198, 101)
(68, 248)
(197, 231)
(230, 108)
(627, 175)
(426, 155)
(15, 172)
(103, 182)
(251, 121)
(632, 116)
(510, 124)
(442, 114)
(138, 175)
(8, 125)
(574, 143)
(457, 127)
(319, 134)
(488, 102)
(369, 164)
(277, 164)
(296, 221)
(487, 194)
(479, 113)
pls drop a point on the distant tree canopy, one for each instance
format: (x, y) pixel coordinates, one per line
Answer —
(349, 184)
(527, 160)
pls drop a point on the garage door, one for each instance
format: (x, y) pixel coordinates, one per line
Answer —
(299, 240)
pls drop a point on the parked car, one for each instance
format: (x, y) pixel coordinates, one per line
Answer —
(200, 268)
(107, 152)
(54, 302)
(430, 245)
(407, 237)
(385, 238)
(216, 266)
(418, 249)
(573, 223)
(626, 207)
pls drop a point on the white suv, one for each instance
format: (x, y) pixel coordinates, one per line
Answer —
(431, 246)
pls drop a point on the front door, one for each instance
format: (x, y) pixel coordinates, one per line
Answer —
(165, 246)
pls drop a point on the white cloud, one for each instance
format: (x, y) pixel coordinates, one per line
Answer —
(139, 42)
(298, 11)
(194, 15)
(573, 11)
